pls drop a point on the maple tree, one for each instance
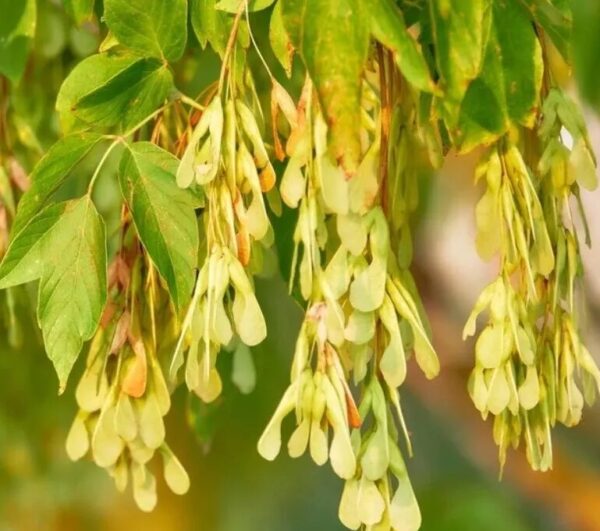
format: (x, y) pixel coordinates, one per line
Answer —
(307, 154)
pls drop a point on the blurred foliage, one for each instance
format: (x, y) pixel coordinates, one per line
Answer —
(586, 49)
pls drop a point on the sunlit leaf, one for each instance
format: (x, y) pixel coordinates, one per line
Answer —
(65, 247)
(163, 214)
(107, 90)
(149, 27)
(323, 32)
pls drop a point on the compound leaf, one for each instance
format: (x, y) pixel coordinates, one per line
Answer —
(508, 88)
(210, 25)
(50, 173)
(149, 27)
(460, 31)
(65, 247)
(107, 90)
(163, 215)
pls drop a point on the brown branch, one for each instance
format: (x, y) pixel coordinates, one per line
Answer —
(384, 89)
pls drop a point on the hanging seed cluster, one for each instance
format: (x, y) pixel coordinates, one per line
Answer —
(122, 395)
(363, 318)
(532, 368)
(227, 158)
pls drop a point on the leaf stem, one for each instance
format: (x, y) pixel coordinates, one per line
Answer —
(144, 121)
(260, 55)
(101, 164)
(230, 44)
(118, 139)
(384, 79)
(191, 102)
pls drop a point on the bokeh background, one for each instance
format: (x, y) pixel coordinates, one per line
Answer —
(454, 470)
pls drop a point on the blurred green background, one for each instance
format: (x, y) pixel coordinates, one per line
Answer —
(454, 471)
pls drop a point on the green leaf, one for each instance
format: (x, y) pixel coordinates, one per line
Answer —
(333, 40)
(163, 214)
(17, 29)
(23, 261)
(389, 28)
(213, 26)
(508, 89)
(280, 41)
(149, 27)
(460, 31)
(556, 21)
(210, 25)
(65, 247)
(80, 10)
(521, 59)
(107, 90)
(50, 173)
(586, 49)
(233, 6)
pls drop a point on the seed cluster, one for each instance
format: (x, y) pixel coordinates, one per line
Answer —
(122, 394)
(363, 318)
(228, 159)
(530, 359)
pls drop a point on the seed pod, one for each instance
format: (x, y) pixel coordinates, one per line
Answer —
(269, 443)
(267, 178)
(243, 372)
(151, 425)
(106, 443)
(243, 246)
(144, 488)
(125, 419)
(78, 442)
(135, 380)
(251, 129)
(187, 171)
(175, 475)
(393, 360)
(370, 503)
